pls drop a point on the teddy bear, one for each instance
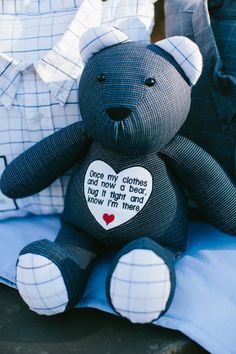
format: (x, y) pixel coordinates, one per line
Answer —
(130, 168)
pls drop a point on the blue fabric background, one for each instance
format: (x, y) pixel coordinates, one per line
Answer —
(204, 304)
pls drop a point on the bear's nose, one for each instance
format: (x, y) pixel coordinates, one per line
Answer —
(118, 113)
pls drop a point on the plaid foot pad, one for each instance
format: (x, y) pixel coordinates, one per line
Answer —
(41, 284)
(140, 286)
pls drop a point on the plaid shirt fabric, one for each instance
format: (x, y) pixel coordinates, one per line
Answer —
(212, 25)
(40, 68)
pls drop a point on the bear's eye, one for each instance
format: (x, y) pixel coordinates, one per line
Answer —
(101, 77)
(150, 81)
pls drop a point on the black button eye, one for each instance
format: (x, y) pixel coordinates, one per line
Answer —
(150, 81)
(101, 77)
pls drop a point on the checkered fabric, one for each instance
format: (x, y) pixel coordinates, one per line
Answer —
(41, 285)
(125, 87)
(211, 122)
(184, 51)
(63, 150)
(51, 277)
(140, 286)
(40, 68)
(186, 54)
(206, 181)
(99, 38)
(141, 281)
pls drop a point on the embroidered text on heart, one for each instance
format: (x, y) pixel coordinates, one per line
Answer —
(115, 198)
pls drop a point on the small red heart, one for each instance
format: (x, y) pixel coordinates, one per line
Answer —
(108, 218)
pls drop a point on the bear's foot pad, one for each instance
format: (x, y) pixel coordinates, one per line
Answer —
(41, 284)
(140, 286)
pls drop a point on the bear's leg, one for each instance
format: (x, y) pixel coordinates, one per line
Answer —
(141, 281)
(51, 276)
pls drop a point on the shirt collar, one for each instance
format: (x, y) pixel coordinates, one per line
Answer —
(10, 74)
(61, 66)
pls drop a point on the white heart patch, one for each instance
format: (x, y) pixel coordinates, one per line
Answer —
(115, 198)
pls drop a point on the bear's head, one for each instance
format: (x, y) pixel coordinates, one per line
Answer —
(135, 96)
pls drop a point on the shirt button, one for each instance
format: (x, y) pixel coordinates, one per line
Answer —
(37, 117)
(64, 96)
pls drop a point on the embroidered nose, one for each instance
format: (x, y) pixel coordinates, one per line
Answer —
(118, 113)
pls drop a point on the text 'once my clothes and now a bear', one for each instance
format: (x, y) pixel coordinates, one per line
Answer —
(122, 194)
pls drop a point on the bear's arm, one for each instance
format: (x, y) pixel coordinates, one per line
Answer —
(43, 163)
(205, 180)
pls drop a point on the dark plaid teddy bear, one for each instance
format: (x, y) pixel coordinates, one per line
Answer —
(125, 194)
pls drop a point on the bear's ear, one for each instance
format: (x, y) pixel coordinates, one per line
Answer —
(186, 53)
(98, 38)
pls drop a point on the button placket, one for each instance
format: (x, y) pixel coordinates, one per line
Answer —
(37, 108)
(45, 109)
(30, 106)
